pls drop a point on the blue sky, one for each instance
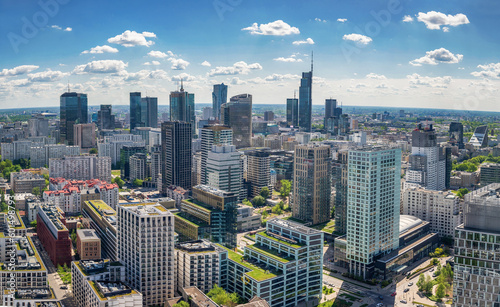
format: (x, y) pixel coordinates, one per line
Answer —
(393, 53)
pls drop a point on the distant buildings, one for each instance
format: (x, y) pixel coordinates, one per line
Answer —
(489, 173)
(182, 108)
(138, 164)
(143, 111)
(53, 234)
(224, 169)
(38, 125)
(292, 112)
(268, 116)
(456, 133)
(25, 182)
(258, 171)
(81, 168)
(480, 137)
(126, 152)
(176, 155)
(237, 114)
(212, 135)
(84, 135)
(73, 110)
(112, 145)
(105, 118)
(219, 97)
(312, 184)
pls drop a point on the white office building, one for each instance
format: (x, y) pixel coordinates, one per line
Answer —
(224, 169)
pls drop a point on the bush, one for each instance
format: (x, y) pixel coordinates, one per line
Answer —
(258, 201)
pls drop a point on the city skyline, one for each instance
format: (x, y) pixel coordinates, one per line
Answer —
(386, 54)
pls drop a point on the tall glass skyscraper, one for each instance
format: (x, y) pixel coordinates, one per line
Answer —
(135, 110)
(219, 97)
(237, 114)
(176, 155)
(182, 108)
(73, 110)
(305, 101)
(143, 111)
(292, 112)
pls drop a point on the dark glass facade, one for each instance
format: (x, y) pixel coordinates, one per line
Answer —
(292, 112)
(305, 102)
(73, 110)
(237, 114)
(219, 97)
(176, 155)
(182, 108)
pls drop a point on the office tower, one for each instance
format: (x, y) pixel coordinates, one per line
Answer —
(213, 135)
(176, 155)
(340, 173)
(138, 166)
(224, 169)
(53, 234)
(97, 215)
(292, 112)
(210, 214)
(135, 110)
(373, 206)
(305, 101)
(81, 168)
(126, 152)
(489, 173)
(155, 163)
(146, 249)
(330, 106)
(112, 146)
(456, 133)
(197, 265)
(440, 209)
(427, 162)
(219, 97)
(446, 155)
(84, 135)
(476, 269)
(150, 116)
(312, 184)
(73, 110)
(275, 267)
(237, 114)
(258, 171)
(268, 116)
(182, 108)
(480, 137)
(207, 113)
(105, 119)
(38, 125)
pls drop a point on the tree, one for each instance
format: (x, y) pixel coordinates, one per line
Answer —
(33, 224)
(286, 187)
(138, 182)
(181, 304)
(258, 201)
(461, 192)
(277, 209)
(246, 202)
(36, 191)
(93, 151)
(421, 282)
(118, 181)
(264, 192)
(440, 291)
(221, 297)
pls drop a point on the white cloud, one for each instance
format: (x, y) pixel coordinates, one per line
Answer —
(307, 41)
(439, 82)
(47, 76)
(291, 59)
(206, 64)
(358, 38)
(437, 56)
(278, 27)
(407, 18)
(434, 20)
(240, 67)
(319, 19)
(157, 54)
(101, 67)
(183, 76)
(237, 81)
(279, 77)
(145, 74)
(178, 64)
(56, 27)
(375, 76)
(152, 63)
(382, 86)
(68, 29)
(19, 70)
(132, 38)
(446, 29)
(491, 70)
(342, 19)
(101, 49)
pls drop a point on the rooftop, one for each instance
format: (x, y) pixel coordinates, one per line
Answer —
(87, 234)
(280, 239)
(293, 226)
(196, 246)
(407, 222)
(198, 297)
(144, 209)
(212, 190)
(54, 214)
(110, 290)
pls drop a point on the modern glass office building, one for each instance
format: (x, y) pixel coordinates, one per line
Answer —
(292, 112)
(237, 114)
(182, 108)
(219, 97)
(305, 101)
(73, 110)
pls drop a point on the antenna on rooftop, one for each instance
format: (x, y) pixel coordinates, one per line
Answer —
(68, 86)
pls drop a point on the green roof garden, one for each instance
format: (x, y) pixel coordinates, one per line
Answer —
(186, 220)
(265, 235)
(269, 253)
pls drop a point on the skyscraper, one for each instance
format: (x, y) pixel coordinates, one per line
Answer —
(213, 135)
(258, 171)
(312, 183)
(373, 206)
(219, 97)
(292, 112)
(340, 173)
(143, 111)
(224, 169)
(176, 155)
(182, 108)
(38, 125)
(456, 133)
(105, 119)
(330, 106)
(305, 101)
(73, 110)
(237, 114)
(135, 110)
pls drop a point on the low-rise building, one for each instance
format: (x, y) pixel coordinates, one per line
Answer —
(100, 217)
(489, 173)
(247, 219)
(25, 182)
(88, 244)
(39, 297)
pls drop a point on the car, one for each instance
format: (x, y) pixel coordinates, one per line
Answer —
(403, 301)
(410, 284)
(394, 294)
(432, 270)
(420, 305)
(381, 297)
(406, 290)
(380, 305)
(64, 287)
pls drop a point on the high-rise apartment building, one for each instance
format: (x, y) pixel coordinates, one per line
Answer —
(237, 114)
(176, 155)
(126, 152)
(476, 272)
(84, 135)
(268, 116)
(105, 118)
(81, 168)
(213, 135)
(479, 138)
(224, 169)
(258, 171)
(305, 101)
(292, 112)
(112, 145)
(73, 110)
(219, 97)
(182, 108)
(312, 183)
(138, 166)
(38, 125)
(146, 249)
(340, 174)
(373, 206)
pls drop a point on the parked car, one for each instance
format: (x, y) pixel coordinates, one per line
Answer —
(410, 284)
(403, 301)
(64, 287)
(406, 290)
(381, 297)
(394, 294)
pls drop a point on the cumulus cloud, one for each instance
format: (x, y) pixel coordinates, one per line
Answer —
(434, 20)
(178, 64)
(342, 19)
(152, 63)
(437, 56)
(157, 54)
(375, 76)
(206, 64)
(278, 28)
(132, 38)
(67, 29)
(291, 59)
(101, 67)
(47, 76)
(183, 77)
(145, 74)
(101, 49)
(279, 77)
(446, 29)
(407, 18)
(319, 19)
(307, 41)
(19, 70)
(357, 38)
(240, 67)
(438, 82)
(237, 81)
(491, 70)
